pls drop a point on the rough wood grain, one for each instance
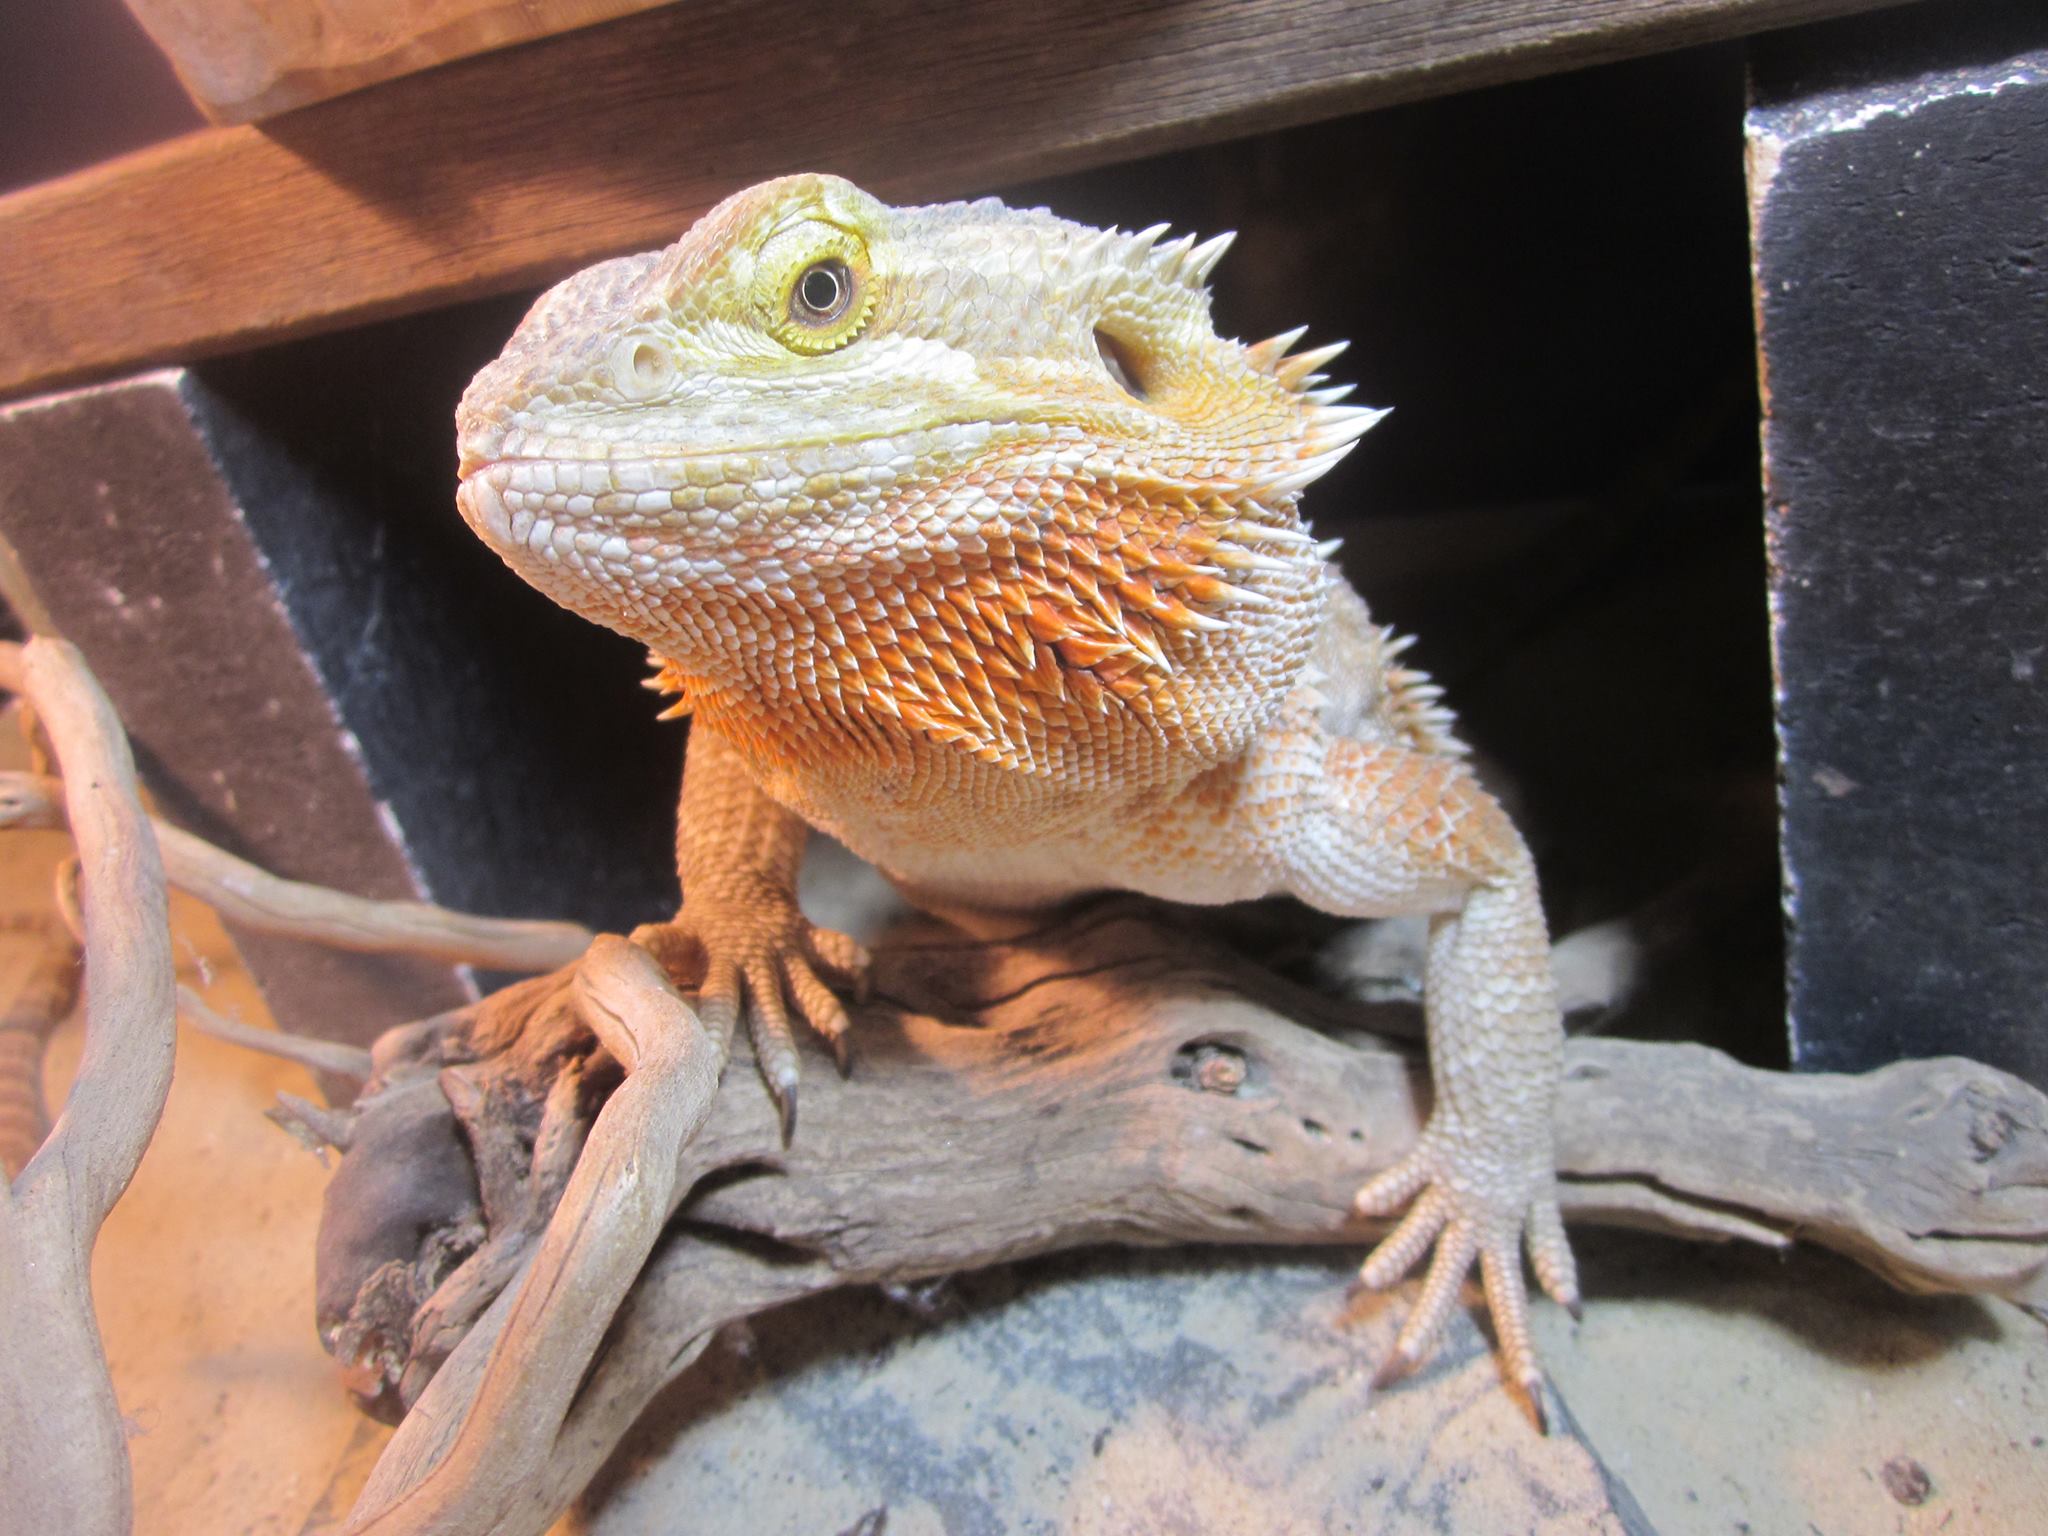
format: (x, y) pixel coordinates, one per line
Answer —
(626, 1185)
(1111, 1080)
(242, 62)
(510, 169)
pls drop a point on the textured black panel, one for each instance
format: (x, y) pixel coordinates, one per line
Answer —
(1900, 183)
(126, 523)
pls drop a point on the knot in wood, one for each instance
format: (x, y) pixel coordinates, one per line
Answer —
(1218, 1069)
(1990, 1129)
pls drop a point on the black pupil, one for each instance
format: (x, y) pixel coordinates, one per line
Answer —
(820, 290)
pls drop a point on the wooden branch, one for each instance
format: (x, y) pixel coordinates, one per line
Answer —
(243, 893)
(625, 1187)
(508, 170)
(1112, 1080)
(315, 1055)
(63, 1455)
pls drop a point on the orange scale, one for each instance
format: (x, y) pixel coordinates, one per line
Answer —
(1140, 594)
(1046, 623)
(1077, 651)
(1088, 690)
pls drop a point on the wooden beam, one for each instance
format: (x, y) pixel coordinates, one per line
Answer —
(512, 168)
(240, 63)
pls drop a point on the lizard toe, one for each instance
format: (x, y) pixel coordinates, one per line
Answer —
(1456, 1247)
(1399, 1249)
(1387, 1192)
(774, 1039)
(1550, 1254)
(718, 998)
(1507, 1300)
(819, 1005)
(846, 959)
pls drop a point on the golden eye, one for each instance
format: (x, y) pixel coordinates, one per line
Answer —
(817, 287)
(823, 292)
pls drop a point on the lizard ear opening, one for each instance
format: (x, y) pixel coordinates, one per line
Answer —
(1121, 364)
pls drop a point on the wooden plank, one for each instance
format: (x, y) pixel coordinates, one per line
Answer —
(243, 62)
(502, 171)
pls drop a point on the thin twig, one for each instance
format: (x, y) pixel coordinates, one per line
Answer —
(256, 899)
(350, 1061)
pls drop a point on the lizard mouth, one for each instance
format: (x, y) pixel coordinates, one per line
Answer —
(481, 505)
(530, 539)
(612, 535)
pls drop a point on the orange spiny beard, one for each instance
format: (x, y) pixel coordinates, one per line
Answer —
(1069, 610)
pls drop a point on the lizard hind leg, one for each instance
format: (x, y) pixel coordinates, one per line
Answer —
(1381, 829)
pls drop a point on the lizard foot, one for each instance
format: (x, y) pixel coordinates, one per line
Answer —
(1469, 1205)
(759, 959)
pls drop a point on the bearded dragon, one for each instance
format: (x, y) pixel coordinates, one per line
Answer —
(964, 537)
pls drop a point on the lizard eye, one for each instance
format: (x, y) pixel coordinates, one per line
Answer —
(822, 293)
(818, 287)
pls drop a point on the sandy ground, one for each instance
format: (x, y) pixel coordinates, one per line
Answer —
(1715, 1391)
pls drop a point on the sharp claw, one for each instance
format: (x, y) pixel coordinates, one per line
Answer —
(1532, 1392)
(1577, 1309)
(842, 1054)
(1392, 1369)
(784, 1092)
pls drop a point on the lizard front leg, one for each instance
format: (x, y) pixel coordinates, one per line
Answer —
(737, 852)
(1367, 829)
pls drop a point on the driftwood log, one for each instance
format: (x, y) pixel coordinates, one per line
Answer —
(1110, 1078)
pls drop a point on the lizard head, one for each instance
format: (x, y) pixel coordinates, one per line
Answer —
(811, 381)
